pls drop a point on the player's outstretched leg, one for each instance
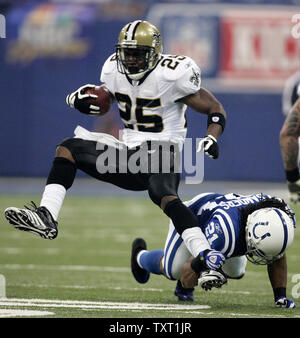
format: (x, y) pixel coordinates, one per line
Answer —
(144, 262)
(37, 220)
(42, 220)
(141, 275)
(184, 294)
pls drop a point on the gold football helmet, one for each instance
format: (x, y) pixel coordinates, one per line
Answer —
(138, 49)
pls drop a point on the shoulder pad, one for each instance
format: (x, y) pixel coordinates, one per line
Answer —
(173, 67)
(109, 67)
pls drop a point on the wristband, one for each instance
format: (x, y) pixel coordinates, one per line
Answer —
(217, 118)
(198, 263)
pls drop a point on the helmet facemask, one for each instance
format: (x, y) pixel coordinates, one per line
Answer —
(256, 255)
(135, 61)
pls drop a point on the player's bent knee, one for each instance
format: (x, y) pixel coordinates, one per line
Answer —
(160, 199)
(238, 277)
(162, 189)
(235, 276)
(166, 199)
(235, 267)
(64, 149)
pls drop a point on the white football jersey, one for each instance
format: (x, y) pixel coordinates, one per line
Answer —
(149, 108)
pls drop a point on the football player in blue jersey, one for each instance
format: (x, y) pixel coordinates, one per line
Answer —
(234, 228)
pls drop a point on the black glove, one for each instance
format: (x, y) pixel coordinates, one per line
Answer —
(210, 146)
(79, 100)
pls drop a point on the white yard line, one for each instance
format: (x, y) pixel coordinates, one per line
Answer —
(25, 306)
(118, 288)
(8, 313)
(51, 303)
(63, 267)
(17, 251)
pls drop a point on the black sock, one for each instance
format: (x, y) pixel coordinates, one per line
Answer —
(63, 172)
(181, 216)
(292, 175)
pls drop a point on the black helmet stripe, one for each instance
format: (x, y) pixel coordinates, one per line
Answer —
(132, 29)
(126, 33)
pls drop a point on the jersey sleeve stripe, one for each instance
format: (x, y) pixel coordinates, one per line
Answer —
(231, 230)
(196, 198)
(285, 231)
(225, 232)
(171, 255)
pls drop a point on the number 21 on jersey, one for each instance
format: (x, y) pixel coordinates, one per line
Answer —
(210, 233)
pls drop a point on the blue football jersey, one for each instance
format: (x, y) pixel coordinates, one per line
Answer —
(220, 220)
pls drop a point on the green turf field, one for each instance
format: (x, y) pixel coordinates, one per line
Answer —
(85, 271)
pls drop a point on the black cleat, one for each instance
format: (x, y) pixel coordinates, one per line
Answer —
(141, 275)
(37, 220)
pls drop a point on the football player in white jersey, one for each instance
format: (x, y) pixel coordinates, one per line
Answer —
(233, 227)
(153, 91)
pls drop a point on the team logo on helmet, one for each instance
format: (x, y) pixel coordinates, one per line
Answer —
(267, 234)
(156, 38)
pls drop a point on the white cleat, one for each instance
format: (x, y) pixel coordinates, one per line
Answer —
(209, 279)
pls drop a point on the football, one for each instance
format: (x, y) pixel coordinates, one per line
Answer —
(104, 100)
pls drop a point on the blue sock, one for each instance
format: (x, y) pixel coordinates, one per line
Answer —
(150, 261)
